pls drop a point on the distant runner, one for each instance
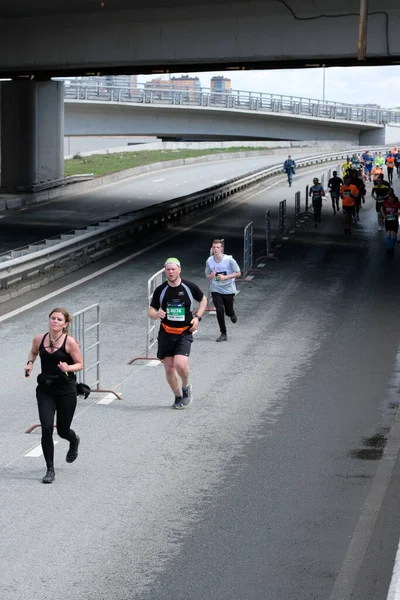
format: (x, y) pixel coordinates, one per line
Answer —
(379, 192)
(368, 164)
(289, 167)
(334, 185)
(317, 192)
(379, 160)
(390, 213)
(348, 193)
(390, 162)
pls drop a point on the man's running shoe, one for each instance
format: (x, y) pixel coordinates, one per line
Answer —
(234, 318)
(187, 395)
(222, 338)
(178, 404)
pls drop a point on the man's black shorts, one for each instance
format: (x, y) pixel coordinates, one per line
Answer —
(171, 345)
(392, 225)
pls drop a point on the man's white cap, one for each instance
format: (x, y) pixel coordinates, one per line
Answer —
(172, 261)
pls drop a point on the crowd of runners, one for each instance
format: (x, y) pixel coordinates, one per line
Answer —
(350, 189)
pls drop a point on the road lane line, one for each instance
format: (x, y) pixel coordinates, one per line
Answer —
(36, 452)
(107, 399)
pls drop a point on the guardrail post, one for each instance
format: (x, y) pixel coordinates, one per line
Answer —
(268, 241)
(282, 217)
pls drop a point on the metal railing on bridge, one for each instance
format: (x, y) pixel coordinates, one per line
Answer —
(235, 99)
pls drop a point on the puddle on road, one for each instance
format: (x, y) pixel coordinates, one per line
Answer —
(373, 446)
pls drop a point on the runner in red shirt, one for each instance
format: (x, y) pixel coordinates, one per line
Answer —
(390, 212)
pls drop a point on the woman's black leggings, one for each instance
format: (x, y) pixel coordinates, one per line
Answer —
(48, 404)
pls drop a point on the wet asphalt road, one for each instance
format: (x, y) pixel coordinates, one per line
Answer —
(256, 491)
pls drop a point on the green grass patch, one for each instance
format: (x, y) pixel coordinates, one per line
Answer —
(105, 164)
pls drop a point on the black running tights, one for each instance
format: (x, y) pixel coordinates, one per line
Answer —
(48, 405)
(223, 304)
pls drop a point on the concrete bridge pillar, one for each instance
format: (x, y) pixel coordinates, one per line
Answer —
(32, 133)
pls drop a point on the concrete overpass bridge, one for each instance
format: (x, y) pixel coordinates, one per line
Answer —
(202, 114)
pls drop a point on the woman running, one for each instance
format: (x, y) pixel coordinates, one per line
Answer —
(60, 358)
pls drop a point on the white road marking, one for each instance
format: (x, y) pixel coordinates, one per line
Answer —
(107, 399)
(153, 363)
(2, 216)
(261, 265)
(157, 180)
(249, 277)
(36, 452)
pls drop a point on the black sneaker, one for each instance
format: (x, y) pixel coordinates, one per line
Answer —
(234, 318)
(178, 404)
(50, 476)
(222, 338)
(72, 453)
(187, 395)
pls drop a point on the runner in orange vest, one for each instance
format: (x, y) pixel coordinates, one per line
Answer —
(348, 194)
(390, 166)
(376, 171)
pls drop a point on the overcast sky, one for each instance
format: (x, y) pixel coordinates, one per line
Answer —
(355, 85)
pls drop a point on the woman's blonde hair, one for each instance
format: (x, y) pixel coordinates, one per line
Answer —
(67, 316)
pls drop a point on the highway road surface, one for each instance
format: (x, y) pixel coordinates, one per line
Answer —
(280, 482)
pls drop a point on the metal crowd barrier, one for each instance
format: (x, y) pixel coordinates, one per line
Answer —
(152, 326)
(248, 251)
(85, 328)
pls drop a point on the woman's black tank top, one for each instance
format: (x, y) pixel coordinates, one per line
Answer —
(49, 362)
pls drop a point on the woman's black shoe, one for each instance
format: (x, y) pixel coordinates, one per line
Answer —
(50, 476)
(72, 453)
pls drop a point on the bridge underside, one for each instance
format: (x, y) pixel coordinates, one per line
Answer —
(174, 122)
(61, 38)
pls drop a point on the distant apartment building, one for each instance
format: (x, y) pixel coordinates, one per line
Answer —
(190, 86)
(220, 85)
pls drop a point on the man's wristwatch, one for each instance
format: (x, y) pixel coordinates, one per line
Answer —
(199, 318)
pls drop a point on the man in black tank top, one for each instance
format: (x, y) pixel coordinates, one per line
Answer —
(172, 305)
(60, 358)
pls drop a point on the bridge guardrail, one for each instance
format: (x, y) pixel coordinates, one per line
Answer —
(234, 99)
(24, 263)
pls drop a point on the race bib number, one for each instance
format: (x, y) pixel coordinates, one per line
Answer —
(175, 311)
(218, 280)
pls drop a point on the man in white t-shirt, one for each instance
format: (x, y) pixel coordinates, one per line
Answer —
(222, 270)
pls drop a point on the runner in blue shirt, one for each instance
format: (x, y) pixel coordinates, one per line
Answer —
(368, 161)
(289, 167)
